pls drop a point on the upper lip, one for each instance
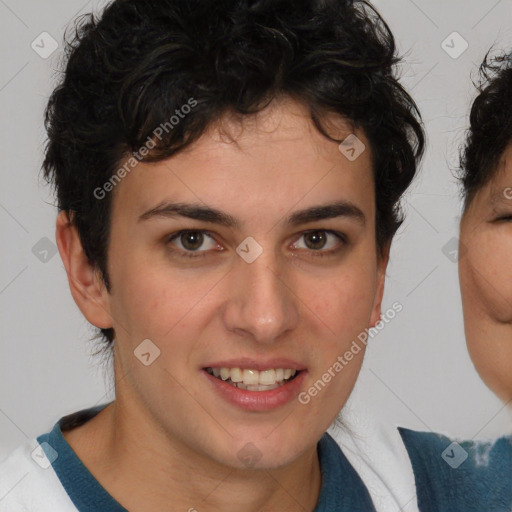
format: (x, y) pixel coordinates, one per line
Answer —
(253, 364)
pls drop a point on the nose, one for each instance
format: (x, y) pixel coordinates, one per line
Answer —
(261, 304)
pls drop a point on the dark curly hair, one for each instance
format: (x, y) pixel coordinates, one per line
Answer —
(490, 130)
(129, 70)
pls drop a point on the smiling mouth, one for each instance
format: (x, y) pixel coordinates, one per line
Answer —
(254, 380)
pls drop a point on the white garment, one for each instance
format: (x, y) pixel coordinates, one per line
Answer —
(30, 486)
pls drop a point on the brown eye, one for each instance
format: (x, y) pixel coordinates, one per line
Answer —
(315, 240)
(322, 242)
(191, 240)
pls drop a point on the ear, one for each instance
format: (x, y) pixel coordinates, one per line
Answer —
(382, 263)
(85, 283)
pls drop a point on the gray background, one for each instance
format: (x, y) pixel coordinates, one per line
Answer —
(417, 372)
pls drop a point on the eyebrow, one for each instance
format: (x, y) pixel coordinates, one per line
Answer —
(208, 214)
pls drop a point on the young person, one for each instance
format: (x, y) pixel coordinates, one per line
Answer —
(228, 176)
(476, 476)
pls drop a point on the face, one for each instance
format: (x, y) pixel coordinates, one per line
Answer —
(486, 279)
(251, 254)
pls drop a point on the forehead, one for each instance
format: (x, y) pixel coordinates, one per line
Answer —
(497, 191)
(271, 160)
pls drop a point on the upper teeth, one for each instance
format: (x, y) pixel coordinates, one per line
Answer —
(254, 377)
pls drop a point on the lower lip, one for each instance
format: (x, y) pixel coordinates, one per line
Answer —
(258, 400)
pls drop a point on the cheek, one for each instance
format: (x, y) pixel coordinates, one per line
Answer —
(486, 285)
(345, 301)
(150, 300)
(342, 305)
(486, 277)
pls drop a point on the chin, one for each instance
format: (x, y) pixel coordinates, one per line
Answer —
(263, 452)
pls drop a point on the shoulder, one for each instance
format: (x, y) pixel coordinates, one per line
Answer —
(377, 452)
(28, 482)
(460, 475)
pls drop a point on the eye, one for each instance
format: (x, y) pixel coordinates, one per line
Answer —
(322, 241)
(191, 241)
(504, 218)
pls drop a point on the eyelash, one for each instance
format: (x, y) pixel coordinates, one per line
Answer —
(316, 253)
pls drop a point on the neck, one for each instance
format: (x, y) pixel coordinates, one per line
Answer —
(143, 468)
